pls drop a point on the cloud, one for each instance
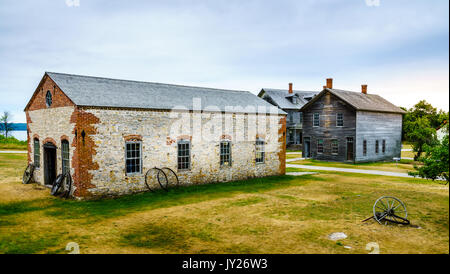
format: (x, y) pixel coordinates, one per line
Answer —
(399, 46)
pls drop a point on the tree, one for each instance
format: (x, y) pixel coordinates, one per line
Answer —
(6, 125)
(420, 133)
(435, 161)
(422, 109)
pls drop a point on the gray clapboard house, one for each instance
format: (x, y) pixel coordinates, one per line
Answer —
(290, 101)
(340, 125)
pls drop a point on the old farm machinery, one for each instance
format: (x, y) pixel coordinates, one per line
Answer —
(161, 178)
(388, 209)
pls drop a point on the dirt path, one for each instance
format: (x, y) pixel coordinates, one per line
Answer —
(351, 170)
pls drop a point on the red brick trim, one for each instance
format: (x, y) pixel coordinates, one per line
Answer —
(282, 143)
(170, 141)
(82, 158)
(225, 137)
(49, 140)
(184, 137)
(35, 136)
(260, 136)
(59, 98)
(132, 137)
(64, 137)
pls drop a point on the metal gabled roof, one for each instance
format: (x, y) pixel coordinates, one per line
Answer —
(280, 97)
(106, 92)
(360, 101)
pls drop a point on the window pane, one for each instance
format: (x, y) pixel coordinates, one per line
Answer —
(133, 157)
(183, 155)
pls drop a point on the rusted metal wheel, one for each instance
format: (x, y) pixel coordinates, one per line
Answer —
(172, 178)
(67, 185)
(57, 184)
(388, 209)
(155, 179)
(28, 174)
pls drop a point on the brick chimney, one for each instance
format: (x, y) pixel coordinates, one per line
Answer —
(364, 89)
(330, 83)
(290, 88)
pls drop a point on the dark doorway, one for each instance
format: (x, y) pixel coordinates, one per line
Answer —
(307, 147)
(350, 149)
(49, 163)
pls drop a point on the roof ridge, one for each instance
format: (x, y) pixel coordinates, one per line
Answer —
(146, 82)
(294, 90)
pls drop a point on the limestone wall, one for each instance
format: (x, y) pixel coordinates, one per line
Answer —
(159, 146)
(50, 125)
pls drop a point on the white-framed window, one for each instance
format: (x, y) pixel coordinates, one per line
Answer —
(184, 155)
(259, 148)
(316, 119)
(37, 153)
(225, 153)
(319, 145)
(65, 156)
(133, 157)
(339, 120)
(334, 146)
(301, 118)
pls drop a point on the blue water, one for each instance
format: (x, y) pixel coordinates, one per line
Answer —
(19, 131)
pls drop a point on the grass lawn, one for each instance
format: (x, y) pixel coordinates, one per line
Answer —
(408, 154)
(406, 145)
(9, 146)
(292, 156)
(403, 166)
(283, 214)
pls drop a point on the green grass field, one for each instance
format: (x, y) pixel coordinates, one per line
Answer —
(283, 214)
(12, 143)
(403, 166)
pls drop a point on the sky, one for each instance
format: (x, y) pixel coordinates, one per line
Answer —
(399, 48)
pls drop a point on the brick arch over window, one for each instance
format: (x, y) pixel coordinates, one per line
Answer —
(260, 136)
(132, 137)
(49, 140)
(184, 137)
(64, 138)
(35, 136)
(225, 137)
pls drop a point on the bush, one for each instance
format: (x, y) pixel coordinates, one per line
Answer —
(12, 143)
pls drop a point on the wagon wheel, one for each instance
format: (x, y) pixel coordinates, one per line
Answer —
(67, 185)
(172, 177)
(28, 174)
(390, 209)
(163, 179)
(153, 178)
(57, 184)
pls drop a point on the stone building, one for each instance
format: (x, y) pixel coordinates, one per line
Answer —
(290, 101)
(107, 133)
(342, 125)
